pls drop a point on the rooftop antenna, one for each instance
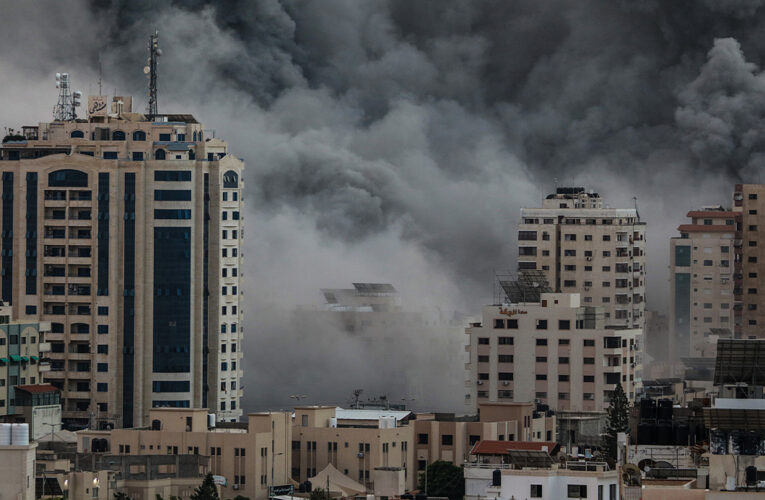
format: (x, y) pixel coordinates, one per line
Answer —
(100, 75)
(64, 110)
(151, 74)
(634, 199)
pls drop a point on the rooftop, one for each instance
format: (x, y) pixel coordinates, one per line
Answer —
(490, 447)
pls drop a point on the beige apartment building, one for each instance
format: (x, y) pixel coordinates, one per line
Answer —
(555, 351)
(701, 282)
(355, 442)
(584, 247)
(251, 456)
(451, 439)
(125, 234)
(749, 310)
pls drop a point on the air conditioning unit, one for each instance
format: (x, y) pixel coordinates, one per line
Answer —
(236, 486)
(586, 289)
(360, 455)
(505, 382)
(589, 259)
(480, 382)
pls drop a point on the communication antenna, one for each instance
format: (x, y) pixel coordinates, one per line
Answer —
(151, 73)
(100, 74)
(634, 198)
(68, 101)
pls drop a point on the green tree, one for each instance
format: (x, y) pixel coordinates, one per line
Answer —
(618, 420)
(444, 479)
(207, 490)
(320, 494)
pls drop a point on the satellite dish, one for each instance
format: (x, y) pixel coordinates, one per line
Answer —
(58, 76)
(77, 94)
(146, 70)
(159, 52)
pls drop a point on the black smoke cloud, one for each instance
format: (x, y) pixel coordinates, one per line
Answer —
(396, 141)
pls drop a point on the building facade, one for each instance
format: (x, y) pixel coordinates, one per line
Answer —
(584, 247)
(355, 442)
(701, 282)
(250, 456)
(749, 204)
(22, 352)
(125, 234)
(554, 351)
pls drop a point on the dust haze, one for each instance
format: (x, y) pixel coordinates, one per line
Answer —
(395, 141)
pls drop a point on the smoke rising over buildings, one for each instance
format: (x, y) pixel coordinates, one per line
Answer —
(396, 141)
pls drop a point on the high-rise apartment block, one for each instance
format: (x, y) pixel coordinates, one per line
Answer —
(701, 282)
(553, 350)
(749, 294)
(586, 248)
(125, 234)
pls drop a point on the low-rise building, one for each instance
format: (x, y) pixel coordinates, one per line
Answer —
(355, 442)
(549, 348)
(17, 456)
(535, 479)
(250, 456)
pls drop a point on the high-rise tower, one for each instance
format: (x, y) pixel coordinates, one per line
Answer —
(125, 234)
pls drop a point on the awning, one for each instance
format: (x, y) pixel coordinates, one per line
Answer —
(15, 358)
(34, 358)
(25, 359)
(3, 360)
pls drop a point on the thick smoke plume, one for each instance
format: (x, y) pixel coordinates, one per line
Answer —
(396, 141)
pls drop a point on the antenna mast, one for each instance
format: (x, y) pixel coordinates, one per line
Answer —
(64, 110)
(151, 73)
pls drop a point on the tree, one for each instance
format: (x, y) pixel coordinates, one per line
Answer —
(207, 490)
(444, 479)
(618, 420)
(320, 494)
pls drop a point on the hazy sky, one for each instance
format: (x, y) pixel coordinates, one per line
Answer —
(396, 141)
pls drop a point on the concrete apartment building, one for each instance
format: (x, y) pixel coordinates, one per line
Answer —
(585, 247)
(450, 439)
(22, 348)
(125, 233)
(251, 456)
(701, 282)
(355, 442)
(17, 454)
(566, 357)
(749, 311)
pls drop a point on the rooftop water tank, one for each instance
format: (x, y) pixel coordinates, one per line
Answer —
(5, 434)
(19, 434)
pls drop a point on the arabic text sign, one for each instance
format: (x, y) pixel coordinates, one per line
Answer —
(97, 105)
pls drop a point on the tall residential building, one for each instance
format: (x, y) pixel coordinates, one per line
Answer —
(583, 247)
(701, 282)
(125, 234)
(553, 350)
(749, 204)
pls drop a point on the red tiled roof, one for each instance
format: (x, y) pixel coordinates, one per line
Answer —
(712, 214)
(706, 229)
(488, 447)
(36, 389)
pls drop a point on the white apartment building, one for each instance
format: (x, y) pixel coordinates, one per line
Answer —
(555, 351)
(124, 233)
(701, 282)
(584, 247)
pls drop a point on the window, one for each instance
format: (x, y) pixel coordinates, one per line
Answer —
(564, 341)
(587, 237)
(503, 358)
(483, 340)
(569, 283)
(752, 260)
(102, 367)
(103, 349)
(606, 253)
(536, 491)
(708, 263)
(542, 324)
(606, 237)
(110, 155)
(483, 376)
(541, 342)
(589, 342)
(164, 137)
(103, 311)
(577, 491)
(447, 440)
(527, 235)
(569, 253)
(541, 359)
(541, 376)
(563, 360)
(753, 196)
(483, 358)
(589, 361)
(498, 323)
(505, 376)
(137, 156)
(505, 340)
(563, 378)
(564, 324)
(589, 378)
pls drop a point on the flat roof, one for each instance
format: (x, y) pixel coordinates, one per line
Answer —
(364, 414)
(740, 360)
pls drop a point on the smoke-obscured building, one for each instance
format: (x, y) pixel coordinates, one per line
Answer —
(590, 249)
(701, 282)
(124, 233)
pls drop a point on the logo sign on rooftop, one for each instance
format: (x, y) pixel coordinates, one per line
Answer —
(511, 312)
(285, 489)
(97, 105)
